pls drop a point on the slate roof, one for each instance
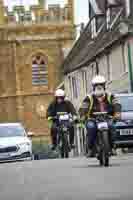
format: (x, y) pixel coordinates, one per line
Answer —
(85, 49)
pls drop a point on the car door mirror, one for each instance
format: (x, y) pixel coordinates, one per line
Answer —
(30, 134)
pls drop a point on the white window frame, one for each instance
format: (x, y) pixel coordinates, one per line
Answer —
(108, 18)
(109, 68)
(70, 86)
(93, 28)
(128, 6)
(84, 78)
(74, 87)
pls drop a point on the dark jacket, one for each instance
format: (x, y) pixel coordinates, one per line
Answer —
(65, 106)
(111, 107)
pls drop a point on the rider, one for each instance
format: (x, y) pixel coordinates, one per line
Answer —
(60, 104)
(98, 101)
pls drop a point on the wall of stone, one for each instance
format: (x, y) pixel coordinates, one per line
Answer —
(7, 69)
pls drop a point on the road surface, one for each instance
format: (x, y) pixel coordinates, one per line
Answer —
(72, 179)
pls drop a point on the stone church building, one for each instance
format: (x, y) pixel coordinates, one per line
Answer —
(33, 44)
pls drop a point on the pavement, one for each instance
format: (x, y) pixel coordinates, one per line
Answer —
(70, 179)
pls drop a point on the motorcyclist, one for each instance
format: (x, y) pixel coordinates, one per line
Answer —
(60, 104)
(98, 101)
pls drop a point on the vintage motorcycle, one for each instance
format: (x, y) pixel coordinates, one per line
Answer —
(102, 146)
(63, 138)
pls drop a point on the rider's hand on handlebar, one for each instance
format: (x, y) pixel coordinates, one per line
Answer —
(50, 122)
(75, 119)
(50, 118)
(117, 116)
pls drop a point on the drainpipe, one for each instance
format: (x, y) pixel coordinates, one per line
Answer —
(130, 67)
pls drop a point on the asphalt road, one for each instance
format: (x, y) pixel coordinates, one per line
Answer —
(72, 179)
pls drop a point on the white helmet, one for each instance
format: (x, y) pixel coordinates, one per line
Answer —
(59, 93)
(98, 80)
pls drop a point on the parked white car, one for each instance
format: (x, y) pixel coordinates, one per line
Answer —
(14, 142)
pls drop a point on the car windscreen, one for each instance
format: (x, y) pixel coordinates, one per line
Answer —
(12, 131)
(127, 103)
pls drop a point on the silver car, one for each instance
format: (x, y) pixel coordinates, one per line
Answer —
(124, 128)
(14, 142)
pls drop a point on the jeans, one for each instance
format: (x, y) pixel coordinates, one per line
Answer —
(91, 128)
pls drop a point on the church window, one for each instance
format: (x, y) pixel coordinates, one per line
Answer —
(39, 70)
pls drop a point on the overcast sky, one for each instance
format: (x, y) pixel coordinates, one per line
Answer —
(81, 7)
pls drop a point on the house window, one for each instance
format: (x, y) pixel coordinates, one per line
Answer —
(39, 70)
(84, 78)
(109, 73)
(70, 86)
(124, 58)
(99, 22)
(75, 89)
(94, 70)
(93, 27)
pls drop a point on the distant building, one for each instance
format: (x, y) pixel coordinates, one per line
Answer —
(106, 47)
(31, 52)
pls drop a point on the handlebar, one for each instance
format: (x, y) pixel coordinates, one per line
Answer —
(72, 119)
(100, 113)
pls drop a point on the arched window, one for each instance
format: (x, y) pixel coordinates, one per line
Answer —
(39, 70)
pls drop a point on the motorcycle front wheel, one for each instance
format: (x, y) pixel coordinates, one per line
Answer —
(104, 153)
(65, 147)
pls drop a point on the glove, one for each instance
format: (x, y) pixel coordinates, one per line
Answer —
(75, 119)
(81, 125)
(117, 115)
(50, 122)
(50, 118)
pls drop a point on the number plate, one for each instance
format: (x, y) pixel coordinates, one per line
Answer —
(126, 132)
(64, 129)
(64, 117)
(103, 125)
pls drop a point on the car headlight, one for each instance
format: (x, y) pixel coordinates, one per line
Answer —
(25, 144)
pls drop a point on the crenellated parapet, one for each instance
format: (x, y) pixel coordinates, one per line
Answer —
(38, 13)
